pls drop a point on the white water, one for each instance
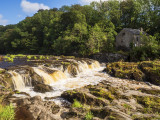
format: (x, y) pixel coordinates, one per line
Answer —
(19, 81)
(60, 82)
(83, 79)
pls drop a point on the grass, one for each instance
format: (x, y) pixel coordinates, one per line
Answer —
(7, 112)
(35, 57)
(77, 104)
(29, 57)
(112, 118)
(89, 116)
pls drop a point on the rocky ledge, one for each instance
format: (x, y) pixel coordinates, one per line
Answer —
(115, 99)
(111, 99)
(148, 71)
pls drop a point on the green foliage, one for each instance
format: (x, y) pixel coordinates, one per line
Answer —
(149, 49)
(89, 116)
(7, 112)
(77, 104)
(83, 30)
(35, 57)
(29, 57)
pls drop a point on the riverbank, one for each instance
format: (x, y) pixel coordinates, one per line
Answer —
(77, 88)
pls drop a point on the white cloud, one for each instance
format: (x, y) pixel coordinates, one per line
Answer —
(29, 7)
(89, 1)
(2, 20)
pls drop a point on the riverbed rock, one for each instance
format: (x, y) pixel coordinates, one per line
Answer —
(118, 99)
(42, 88)
(111, 99)
(36, 109)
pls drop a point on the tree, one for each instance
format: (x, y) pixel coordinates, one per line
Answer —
(96, 39)
(149, 49)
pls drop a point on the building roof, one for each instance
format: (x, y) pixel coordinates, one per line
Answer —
(133, 31)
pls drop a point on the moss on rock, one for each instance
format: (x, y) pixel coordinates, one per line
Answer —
(150, 104)
(143, 71)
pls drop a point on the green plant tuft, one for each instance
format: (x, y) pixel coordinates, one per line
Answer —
(7, 112)
(89, 116)
(77, 104)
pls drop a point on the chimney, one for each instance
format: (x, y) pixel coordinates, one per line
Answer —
(141, 29)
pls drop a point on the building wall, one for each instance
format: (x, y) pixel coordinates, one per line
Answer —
(123, 40)
(137, 40)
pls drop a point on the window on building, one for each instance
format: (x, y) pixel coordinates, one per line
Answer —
(137, 39)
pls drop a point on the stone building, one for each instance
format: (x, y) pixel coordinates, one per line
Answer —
(128, 37)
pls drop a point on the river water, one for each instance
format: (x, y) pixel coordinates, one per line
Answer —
(60, 81)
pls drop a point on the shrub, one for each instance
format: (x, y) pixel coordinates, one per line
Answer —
(149, 49)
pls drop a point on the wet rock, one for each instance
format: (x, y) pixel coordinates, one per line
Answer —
(42, 88)
(22, 93)
(50, 98)
(36, 78)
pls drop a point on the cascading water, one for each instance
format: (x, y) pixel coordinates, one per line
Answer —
(20, 81)
(94, 65)
(59, 80)
(50, 78)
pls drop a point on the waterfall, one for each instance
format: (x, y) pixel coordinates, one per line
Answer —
(72, 70)
(50, 78)
(94, 65)
(18, 80)
(58, 75)
(78, 73)
(80, 66)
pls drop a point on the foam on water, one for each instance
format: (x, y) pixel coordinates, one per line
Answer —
(87, 77)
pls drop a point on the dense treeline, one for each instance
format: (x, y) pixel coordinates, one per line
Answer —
(80, 29)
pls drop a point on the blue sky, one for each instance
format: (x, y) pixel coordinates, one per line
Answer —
(13, 11)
